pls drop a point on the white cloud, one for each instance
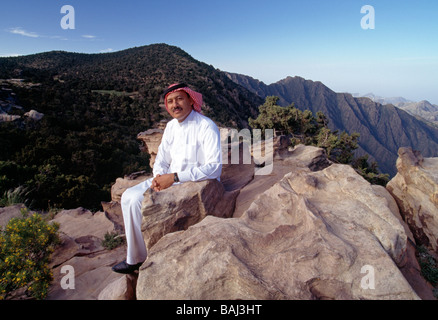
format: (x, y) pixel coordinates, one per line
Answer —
(8, 55)
(20, 31)
(58, 37)
(88, 36)
(106, 50)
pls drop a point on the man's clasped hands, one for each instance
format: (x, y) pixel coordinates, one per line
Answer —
(162, 182)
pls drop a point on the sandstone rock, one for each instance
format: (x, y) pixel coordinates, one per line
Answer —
(313, 235)
(113, 210)
(126, 182)
(415, 188)
(92, 274)
(81, 249)
(183, 205)
(278, 148)
(81, 222)
(236, 174)
(151, 141)
(7, 213)
(34, 115)
(120, 289)
(301, 157)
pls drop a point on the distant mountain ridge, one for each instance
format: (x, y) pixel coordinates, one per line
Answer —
(383, 100)
(145, 70)
(383, 129)
(423, 109)
(230, 99)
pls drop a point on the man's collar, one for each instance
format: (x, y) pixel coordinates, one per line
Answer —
(188, 119)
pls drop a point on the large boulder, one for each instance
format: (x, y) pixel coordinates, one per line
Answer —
(10, 212)
(81, 257)
(183, 205)
(301, 157)
(321, 234)
(415, 188)
(122, 288)
(151, 140)
(126, 182)
(34, 115)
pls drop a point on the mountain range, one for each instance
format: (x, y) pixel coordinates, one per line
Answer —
(230, 99)
(423, 109)
(383, 129)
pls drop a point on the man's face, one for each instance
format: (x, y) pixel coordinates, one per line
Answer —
(179, 105)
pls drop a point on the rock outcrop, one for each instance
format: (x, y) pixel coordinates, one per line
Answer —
(126, 182)
(325, 234)
(82, 252)
(151, 140)
(34, 115)
(182, 206)
(9, 213)
(415, 188)
(309, 230)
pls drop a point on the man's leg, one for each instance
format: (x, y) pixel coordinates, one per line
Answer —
(132, 218)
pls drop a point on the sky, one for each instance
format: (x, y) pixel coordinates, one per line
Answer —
(390, 48)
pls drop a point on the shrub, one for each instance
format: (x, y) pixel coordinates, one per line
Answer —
(112, 241)
(428, 264)
(25, 248)
(13, 196)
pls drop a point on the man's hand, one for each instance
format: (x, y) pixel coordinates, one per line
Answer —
(162, 182)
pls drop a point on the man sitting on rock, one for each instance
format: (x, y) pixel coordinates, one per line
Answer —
(190, 150)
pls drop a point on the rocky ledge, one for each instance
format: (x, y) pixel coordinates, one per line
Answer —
(321, 234)
(310, 230)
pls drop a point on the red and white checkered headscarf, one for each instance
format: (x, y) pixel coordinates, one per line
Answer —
(196, 96)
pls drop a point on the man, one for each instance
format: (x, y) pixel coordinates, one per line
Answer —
(190, 150)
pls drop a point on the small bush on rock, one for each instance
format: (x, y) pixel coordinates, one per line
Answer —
(25, 248)
(112, 241)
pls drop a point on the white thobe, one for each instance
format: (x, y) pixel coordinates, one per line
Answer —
(191, 149)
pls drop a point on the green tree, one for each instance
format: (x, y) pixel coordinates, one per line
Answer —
(304, 128)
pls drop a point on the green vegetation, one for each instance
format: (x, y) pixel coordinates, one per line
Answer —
(304, 128)
(72, 156)
(13, 196)
(112, 240)
(25, 248)
(117, 93)
(94, 106)
(429, 267)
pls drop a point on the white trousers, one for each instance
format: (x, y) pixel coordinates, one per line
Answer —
(132, 218)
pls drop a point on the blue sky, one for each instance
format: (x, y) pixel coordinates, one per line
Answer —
(320, 40)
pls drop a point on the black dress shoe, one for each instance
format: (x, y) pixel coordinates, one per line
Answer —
(126, 268)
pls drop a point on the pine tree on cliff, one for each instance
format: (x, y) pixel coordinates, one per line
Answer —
(304, 128)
